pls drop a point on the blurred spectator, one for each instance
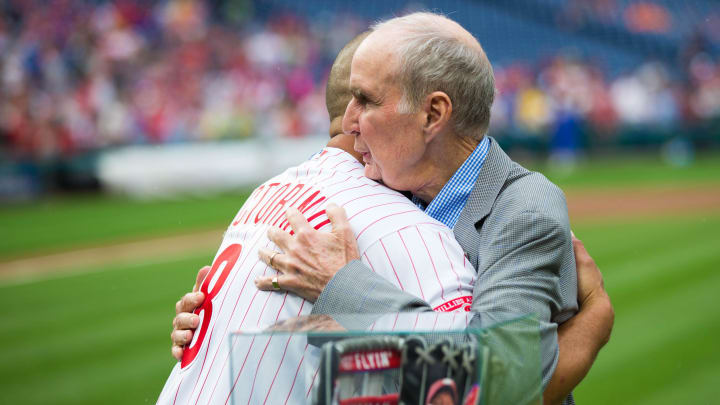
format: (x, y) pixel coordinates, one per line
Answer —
(647, 17)
(80, 76)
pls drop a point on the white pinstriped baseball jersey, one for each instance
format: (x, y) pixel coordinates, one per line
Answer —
(395, 239)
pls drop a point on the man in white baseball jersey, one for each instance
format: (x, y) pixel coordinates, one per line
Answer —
(392, 235)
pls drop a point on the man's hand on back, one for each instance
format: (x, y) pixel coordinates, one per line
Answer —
(591, 286)
(309, 258)
(592, 294)
(185, 321)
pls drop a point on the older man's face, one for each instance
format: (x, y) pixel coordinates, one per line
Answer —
(392, 144)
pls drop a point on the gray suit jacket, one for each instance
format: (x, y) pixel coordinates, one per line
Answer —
(516, 232)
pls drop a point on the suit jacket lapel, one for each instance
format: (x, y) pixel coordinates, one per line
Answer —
(492, 176)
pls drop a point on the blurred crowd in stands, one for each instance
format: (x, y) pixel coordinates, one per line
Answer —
(80, 76)
(77, 76)
(566, 94)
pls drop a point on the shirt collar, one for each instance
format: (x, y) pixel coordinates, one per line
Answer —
(450, 201)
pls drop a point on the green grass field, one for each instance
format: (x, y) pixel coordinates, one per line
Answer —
(101, 335)
(61, 223)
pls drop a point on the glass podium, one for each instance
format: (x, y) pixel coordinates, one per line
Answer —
(402, 358)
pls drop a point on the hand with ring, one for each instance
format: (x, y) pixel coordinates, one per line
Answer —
(309, 259)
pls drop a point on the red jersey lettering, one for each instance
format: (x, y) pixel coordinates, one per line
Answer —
(462, 303)
(227, 260)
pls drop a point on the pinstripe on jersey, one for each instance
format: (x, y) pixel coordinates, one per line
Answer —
(395, 239)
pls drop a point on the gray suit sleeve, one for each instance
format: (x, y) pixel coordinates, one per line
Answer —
(357, 289)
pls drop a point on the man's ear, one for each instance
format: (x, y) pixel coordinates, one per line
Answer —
(438, 109)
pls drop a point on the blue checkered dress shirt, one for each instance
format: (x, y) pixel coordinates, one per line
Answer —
(450, 201)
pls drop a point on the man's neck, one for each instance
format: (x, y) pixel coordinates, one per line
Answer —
(344, 142)
(445, 159)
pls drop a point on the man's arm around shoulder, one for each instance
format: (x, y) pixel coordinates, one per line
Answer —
(355, 288)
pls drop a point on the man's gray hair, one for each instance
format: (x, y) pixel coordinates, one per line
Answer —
(431, 59)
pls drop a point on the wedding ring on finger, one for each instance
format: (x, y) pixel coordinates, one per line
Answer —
(272, 257)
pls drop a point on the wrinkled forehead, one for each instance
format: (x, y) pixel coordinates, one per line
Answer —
(374, 64)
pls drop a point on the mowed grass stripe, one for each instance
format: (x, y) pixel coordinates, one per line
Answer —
(75, 288)
(633, 171)
(92, 327)
(654, 344)
(701, 382)
(105, 339)
(613, 243)
(62, 223)
(100, 375)
(121, 378)
(649, 323)
(663, 272)
(667, 319)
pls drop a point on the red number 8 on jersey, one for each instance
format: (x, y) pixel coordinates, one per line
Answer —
(228, 257)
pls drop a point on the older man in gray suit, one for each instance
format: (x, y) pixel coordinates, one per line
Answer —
(422, 91)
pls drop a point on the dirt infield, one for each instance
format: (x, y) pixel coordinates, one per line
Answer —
(583, 206)
(101, 256)
(633, 203)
